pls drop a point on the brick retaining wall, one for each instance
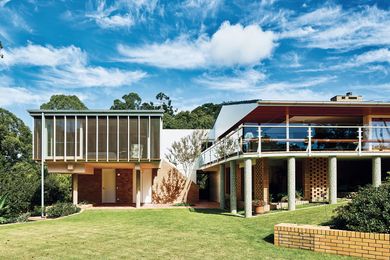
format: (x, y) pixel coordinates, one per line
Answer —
(341, 242)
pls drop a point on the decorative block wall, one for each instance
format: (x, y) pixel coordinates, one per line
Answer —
(333, 241)
(315, 180)
(261, 180)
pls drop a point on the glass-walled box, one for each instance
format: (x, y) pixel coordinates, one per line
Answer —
(97, 137)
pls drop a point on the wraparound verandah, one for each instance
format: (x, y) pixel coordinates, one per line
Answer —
(250, 178)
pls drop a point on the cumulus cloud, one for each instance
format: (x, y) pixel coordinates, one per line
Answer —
(230, 45)
(68, 67)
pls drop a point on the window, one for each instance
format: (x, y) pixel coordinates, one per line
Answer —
(49, 122)
(123, 138)
(112, 138)
(144, 128)
(91, 138)
(155, 137)
(102, 138)
(81, 135)
(134, 138)
(59, 136)
(37, 138)
(70, 136)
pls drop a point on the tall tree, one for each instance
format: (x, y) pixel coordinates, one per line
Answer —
(130, 101)
(60, 102)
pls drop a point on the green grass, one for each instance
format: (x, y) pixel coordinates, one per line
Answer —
(157, 233)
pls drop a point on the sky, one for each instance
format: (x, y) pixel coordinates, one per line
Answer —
(195, 51)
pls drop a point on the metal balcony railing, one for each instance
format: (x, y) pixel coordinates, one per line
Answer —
(267, 140)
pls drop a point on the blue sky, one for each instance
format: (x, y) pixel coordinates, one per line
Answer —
(195, 51)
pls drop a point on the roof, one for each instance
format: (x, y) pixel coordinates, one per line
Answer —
(322, 103)
(103, 112)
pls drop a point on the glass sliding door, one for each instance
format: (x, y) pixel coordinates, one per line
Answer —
(134, 147)
(81, 135)
(123, 138)
(155, 138)
(70, 136)
(112, 138)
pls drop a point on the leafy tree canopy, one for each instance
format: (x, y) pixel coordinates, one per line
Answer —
(64, 102)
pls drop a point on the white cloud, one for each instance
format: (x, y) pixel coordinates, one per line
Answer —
(335, 28)
(38, 55)
(11, 95)
(202, 7)
(231, 45)
(89, 76)
(119, 14)
(381, 55)
(68, 67)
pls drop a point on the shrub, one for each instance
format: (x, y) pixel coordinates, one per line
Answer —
(61, 209)
(368, 211)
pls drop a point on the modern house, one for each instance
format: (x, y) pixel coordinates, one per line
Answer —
(113, 156)
(256, 150)
(324, 149)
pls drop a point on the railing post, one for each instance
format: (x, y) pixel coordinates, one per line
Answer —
(309, 137)
(259, 146)
(360, 141)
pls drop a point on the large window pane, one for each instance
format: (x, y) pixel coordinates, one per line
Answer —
(70, 136)
(81, 137)
(59, 136)
(155, 138)
(134, 138)
(91, 138)
(144, 125)
(112, 144)
(123, 149)
(102, 145)
(37, 138)
(49, 121)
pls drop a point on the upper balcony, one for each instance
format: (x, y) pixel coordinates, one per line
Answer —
(280, 140)
(96, 135)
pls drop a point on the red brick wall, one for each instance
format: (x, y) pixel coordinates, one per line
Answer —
(341, 242)
(90, 187)
(193, 194)
(124, 184)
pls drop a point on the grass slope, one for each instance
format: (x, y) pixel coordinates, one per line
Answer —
(157, 233)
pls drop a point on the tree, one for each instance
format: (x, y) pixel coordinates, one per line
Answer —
(60, 102)
(185, 152)
(132, 101)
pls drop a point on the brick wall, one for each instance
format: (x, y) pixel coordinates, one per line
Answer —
(341, 242)
(315, 179)
(124, 186)
(261, 180)
(90, 187)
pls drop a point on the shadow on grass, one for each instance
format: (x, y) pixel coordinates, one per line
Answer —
(214, 212)
(269, 239)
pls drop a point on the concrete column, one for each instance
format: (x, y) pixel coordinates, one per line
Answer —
(75, 189)
(222, 186)
(291, 182)
(233, 191)
(376, 171)
(248, 188)
(332, 179)
(138, 188)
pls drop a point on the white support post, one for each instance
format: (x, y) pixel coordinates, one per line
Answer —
(149, 138)
(33, 138)
(291, 182)
(376, 171)
(75, 138)
(42, 166)
(259, 146)
(332, 178)
(360, 141)
(107, 139)
(128, 138)
(309, 135)
(55, 138)
(233, 191)
(97, 139)
(138, 188)
(287, 132)
(248, 188)
(65, 143)
(117, 138)
(75, 188)
(139, 138)
(86, 138)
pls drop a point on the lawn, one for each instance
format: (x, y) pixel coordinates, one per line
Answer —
(157, 233)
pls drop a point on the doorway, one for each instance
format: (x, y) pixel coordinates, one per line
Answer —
(108, 186)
